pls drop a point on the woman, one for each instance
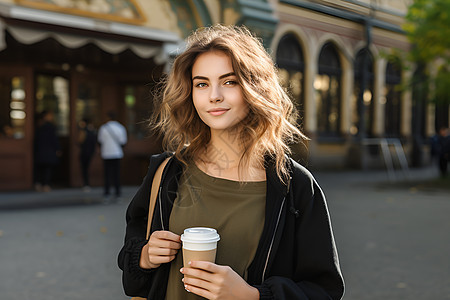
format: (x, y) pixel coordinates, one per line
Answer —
(227, 121)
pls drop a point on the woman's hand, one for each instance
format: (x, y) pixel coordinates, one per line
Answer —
(212, 281)
(161, 248)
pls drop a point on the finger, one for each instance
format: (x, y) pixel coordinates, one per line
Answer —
(205, 265)
(198, 273)
(167, 235)
(157, 260)
(198, 291)
(156, 251)
(198, 282)
(164, 244)
(164, 239)
(158, 256)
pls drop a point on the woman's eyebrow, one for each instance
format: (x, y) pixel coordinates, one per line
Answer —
(220, 77)
(226, 75)
(200, 78)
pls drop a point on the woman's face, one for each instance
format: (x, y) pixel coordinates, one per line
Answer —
(217, 96)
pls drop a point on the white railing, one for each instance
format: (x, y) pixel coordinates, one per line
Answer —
(384, 144)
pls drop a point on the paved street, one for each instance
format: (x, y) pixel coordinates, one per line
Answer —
(392, 239)
(64, 250)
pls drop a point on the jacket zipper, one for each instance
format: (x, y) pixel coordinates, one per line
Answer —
(273, 239)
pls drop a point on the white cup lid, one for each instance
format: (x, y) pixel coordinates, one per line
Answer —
(200, 235)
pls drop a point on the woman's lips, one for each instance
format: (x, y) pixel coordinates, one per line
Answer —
(218, 111)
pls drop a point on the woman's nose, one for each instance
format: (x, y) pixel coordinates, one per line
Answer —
(216, 95)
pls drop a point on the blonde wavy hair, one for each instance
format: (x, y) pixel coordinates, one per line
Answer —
(269, 127)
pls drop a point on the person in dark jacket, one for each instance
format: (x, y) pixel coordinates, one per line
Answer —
(227, 125)
(47, 150)
(87, 139)
(440, 149)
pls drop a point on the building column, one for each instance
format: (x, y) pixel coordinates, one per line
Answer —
(406, 107)
(310, 117)
(378, 93)
(346, 94)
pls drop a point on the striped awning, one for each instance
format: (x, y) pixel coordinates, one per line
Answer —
(29, 26)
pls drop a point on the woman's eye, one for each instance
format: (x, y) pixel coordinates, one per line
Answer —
(200, 84)
(230, 82)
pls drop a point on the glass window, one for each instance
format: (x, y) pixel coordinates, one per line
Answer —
(291, 68)
(328, 96)
(52, 94)
(87, 103)
(392, 100)
(12, 111)
(362, 96)
(138, 103)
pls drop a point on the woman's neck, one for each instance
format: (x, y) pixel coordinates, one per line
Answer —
(222, 158)
(224, 149)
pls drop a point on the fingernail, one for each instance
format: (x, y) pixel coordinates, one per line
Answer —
(181, 270)
(185, 287)
(182, 279)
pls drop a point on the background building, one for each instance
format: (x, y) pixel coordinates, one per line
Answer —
(333, 55)
(84, 58)
(78, 59)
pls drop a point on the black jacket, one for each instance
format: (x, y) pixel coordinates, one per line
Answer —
(46, 144)
(296, 256)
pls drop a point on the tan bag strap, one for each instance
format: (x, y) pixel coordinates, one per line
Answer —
(154, 192)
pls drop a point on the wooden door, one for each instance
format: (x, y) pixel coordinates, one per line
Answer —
(16, 131)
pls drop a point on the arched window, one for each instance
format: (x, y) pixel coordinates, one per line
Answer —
(328, 92)
(363, 77)
(392, 100)
(291, 68)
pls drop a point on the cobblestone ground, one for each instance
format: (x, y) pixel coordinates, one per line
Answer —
(392, 240)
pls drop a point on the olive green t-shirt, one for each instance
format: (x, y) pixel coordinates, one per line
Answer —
(235, 210)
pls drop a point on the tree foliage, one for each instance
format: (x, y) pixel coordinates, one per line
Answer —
(428, 28)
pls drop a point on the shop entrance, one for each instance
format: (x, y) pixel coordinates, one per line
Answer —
(52, 95)
(73, 83)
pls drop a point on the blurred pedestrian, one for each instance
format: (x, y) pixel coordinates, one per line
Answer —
(445, 157)
(227, 125)
(112, 137)
(87, 139)
(47, 150)
(440, 144)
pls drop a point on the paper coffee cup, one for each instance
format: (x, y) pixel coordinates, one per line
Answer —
(199, 243)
